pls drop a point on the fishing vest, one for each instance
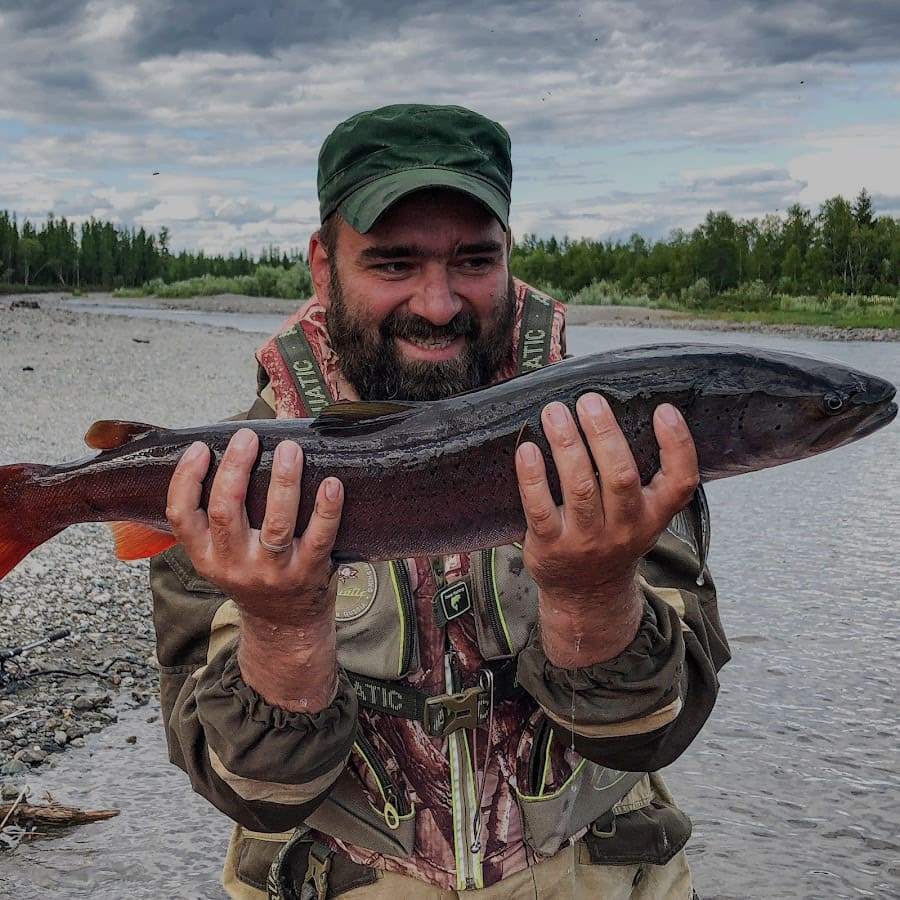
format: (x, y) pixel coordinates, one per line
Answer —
(377, 643)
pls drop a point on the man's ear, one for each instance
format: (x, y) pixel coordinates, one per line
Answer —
(319, 268)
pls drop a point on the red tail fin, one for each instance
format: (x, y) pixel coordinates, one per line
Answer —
(21, 528)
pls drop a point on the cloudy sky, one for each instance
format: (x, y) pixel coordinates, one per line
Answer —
(625, 116)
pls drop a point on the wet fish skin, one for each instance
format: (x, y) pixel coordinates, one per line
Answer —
(439, 477)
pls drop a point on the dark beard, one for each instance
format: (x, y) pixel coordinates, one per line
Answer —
(369, 359)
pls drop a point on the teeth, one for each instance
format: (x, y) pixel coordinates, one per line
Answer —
(431, 344)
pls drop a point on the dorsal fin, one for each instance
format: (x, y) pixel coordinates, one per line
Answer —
(107, 434)
(356, 417)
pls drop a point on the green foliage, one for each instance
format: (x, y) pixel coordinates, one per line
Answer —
(293, 283)
(104, 256)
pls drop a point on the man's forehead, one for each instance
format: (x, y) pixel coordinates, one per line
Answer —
(432, 220)
(436, 206)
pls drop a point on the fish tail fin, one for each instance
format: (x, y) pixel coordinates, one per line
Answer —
(136, 541)
(20, 529)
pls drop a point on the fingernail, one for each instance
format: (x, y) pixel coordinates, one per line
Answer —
(332, 489)
(593, 404)
(288, 453)
(558, 415)
(193, 452)
(669, 414)
(528, 453)
(242, 439)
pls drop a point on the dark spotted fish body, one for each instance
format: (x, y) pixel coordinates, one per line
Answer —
(439, 477)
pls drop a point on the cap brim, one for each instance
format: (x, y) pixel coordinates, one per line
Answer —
(363, 207)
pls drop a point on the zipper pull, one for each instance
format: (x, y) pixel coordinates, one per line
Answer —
(391, 813)
(486, 680)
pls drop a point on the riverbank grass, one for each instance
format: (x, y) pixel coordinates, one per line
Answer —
(754, 304)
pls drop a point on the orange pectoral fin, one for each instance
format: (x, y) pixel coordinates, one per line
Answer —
(135, 541)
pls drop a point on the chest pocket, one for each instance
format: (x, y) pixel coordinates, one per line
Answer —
(505, 601)
(376, 624)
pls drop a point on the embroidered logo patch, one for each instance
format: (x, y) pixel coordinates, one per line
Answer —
(451, 601)
(357, 584)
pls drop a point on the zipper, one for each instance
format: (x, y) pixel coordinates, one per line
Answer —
(463, 799)
(395, 804)
(492, 602)
(407, 609)
(538, 762)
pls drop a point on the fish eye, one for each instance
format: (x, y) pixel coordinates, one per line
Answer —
(832, 403)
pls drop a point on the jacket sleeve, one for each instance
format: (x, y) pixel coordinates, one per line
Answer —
(265, 767)
(640, 710)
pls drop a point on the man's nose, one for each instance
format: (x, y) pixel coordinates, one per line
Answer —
(435, 300)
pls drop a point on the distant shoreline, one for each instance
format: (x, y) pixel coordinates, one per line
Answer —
(601, 316)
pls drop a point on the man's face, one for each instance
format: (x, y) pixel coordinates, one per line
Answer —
(421, 307)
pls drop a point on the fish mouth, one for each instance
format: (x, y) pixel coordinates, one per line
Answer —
(868, 420)
(877, 420)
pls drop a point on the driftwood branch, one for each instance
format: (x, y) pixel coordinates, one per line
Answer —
(51, 814)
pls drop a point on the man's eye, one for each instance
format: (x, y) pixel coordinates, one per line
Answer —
(477, 263)
(393, 268)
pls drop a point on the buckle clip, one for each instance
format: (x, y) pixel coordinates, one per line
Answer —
(315, 883)
(447, 713)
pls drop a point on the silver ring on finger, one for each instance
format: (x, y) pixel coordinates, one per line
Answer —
(275, 548)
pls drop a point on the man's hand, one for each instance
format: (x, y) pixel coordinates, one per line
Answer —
(287, 615)
(584, 554)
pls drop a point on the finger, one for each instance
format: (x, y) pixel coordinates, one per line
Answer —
(674, 484)
(227, 509)
(541, 514)
(580, 490)
(183, 510)
(317, 540)
(283, 497)
(620, 481)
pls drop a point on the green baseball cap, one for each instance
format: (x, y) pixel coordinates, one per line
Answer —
(375, 158)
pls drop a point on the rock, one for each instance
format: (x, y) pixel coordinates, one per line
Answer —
(131, 739)
(83, 702)
(77, 742)
(9, 791)
(33, 756)
(61, 738)
(13, 767)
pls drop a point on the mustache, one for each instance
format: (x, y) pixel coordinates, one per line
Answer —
(402, 325)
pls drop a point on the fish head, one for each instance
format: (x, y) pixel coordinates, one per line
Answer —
(854, 409)
(801, 406)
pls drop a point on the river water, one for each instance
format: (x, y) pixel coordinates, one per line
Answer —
(794, 783)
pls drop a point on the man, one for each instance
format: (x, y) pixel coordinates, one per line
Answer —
(422, 727)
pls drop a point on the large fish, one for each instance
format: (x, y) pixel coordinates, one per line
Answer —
(439, 477)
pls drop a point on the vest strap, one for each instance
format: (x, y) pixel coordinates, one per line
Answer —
(442, 714)
(305, 372)
(535, 336)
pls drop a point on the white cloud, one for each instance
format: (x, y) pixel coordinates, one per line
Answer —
(845, 160)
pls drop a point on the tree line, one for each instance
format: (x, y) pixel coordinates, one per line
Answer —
(103, 256)
(843, 248)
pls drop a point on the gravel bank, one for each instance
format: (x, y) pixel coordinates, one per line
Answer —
(641, 317)
(59, 372)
